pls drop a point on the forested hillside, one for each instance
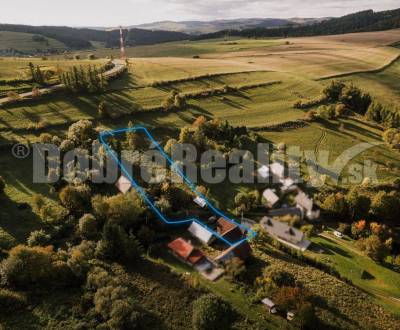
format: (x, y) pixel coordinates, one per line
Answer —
(358, 22)
(80, 38)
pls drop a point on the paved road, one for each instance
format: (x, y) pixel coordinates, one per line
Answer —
(118, 66)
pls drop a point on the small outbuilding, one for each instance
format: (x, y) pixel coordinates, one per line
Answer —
(270, 305)
(271, 197)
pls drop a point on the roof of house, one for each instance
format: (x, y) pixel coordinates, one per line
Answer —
(200, 202)
(224, 226)
(294, 211)
(186, 251)
(263, 171)
(270, 197)
(200, 232)
(304, 201)
(268, 302)
(288, 182)
(123, 184)
(282, 230)
(277, 169)
(242, 251)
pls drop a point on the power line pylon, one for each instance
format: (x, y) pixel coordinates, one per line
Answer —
(122, 43)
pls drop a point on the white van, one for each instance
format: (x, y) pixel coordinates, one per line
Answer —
(338, 234)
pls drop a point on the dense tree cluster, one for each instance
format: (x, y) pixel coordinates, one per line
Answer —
(212, 313)
(81, 79)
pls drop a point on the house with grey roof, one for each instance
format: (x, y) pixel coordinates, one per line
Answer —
(285, 234)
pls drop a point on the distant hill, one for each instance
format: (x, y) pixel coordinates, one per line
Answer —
(358, 22)
(74, 38)
(202, 27)
(18, 43)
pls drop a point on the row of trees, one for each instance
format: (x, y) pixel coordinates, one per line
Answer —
(36, 74)
(80, 79)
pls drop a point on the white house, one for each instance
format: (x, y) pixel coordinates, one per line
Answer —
(201, 233)
(277, 170)
(263, 171)
(271, 198)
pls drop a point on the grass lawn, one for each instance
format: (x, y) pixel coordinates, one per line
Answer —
(378, 280)
(15, 223)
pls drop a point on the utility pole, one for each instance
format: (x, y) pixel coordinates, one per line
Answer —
(122, 43)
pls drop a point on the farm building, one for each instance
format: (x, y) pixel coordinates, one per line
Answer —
(285, 234)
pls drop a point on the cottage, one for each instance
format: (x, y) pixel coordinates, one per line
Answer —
(285, 234)
(123, 184)
(186, 252)
(270, 197)
(203, 234)
(269, 305)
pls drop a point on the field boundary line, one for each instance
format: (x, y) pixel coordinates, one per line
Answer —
(342, 75)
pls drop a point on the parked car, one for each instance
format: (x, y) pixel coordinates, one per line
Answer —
(338, 234)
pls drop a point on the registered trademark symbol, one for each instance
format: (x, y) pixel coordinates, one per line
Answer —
(20, 151)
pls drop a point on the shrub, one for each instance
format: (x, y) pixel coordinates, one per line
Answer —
(79, 257)
(124, 210)
(81, 131)
(344, 228)
(45, 138)
(38, 238)
(333, 91)
(102, 110)
(327, 112)
(75, 198)
(88, 226)
(309, 230)
(211, 313)
(2, 185)
(10, 300)
(288, 298)
(28, 265)
(116, 244)
(354, 99)
(235, 270)
(13, 96)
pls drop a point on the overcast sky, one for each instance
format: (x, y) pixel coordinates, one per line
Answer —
(132, 12)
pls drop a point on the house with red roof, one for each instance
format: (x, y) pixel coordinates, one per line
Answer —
(186, 251)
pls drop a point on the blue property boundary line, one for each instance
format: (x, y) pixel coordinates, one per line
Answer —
(103, 139)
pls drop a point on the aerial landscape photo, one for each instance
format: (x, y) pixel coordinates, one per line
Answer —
(213, 165)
